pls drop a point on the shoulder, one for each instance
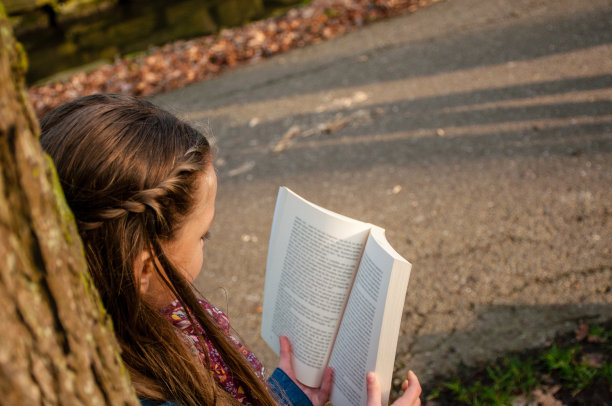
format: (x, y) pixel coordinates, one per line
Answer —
(179, 318)
(218, 316)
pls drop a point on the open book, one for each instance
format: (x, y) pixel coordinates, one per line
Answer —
(336, 289)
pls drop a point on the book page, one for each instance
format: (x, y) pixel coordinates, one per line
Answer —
(358, 342)
(312, 260)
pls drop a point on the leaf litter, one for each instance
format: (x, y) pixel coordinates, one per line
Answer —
(183, 62)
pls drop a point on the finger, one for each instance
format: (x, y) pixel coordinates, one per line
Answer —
(413, 391)
(326, 384)
(374, 391)
(285, 347)
(404, 386)
(286, 356)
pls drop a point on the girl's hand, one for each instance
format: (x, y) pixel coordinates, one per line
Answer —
(411, 388)
(318, 396)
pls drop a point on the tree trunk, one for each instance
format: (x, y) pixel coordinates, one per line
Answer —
(56, 341)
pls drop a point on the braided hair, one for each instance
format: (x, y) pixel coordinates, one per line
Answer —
(128, 170)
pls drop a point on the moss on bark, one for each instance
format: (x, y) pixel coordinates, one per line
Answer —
(58, 346)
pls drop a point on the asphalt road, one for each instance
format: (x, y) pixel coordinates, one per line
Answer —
(478, 133)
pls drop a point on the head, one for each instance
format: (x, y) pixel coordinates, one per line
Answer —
(142, 187)
(134, 176)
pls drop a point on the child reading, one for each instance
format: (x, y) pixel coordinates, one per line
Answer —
(142, 187)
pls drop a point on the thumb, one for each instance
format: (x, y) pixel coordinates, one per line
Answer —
(374, 391)
(285, 361)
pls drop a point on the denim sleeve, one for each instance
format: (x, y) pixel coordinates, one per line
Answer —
(285, 391)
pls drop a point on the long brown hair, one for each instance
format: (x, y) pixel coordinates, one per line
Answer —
(128, 170)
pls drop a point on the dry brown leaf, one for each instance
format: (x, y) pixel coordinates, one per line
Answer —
(285, 140)
(594, 359)
(582, 331)
(545, 397)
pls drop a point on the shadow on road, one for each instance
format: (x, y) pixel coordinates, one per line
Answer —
(511, 121)
(493, 45)
(520, 326)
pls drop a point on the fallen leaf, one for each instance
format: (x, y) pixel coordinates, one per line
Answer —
(582, 331)
(283, 143)
(245, 167)
(333, 126)
(593, 359)
(543, 397)
(248, 238)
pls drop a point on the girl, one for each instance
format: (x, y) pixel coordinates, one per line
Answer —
(142, 188)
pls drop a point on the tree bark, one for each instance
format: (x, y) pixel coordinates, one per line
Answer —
(57, 346)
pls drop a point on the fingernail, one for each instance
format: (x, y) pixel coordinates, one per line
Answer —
(370, 377)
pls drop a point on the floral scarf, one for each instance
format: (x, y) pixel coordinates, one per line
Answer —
(177, 315)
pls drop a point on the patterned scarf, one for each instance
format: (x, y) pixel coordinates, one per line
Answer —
(177, 315)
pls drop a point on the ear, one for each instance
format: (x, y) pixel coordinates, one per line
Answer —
(143, 271)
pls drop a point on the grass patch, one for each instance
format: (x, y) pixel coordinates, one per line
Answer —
(575, 370)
